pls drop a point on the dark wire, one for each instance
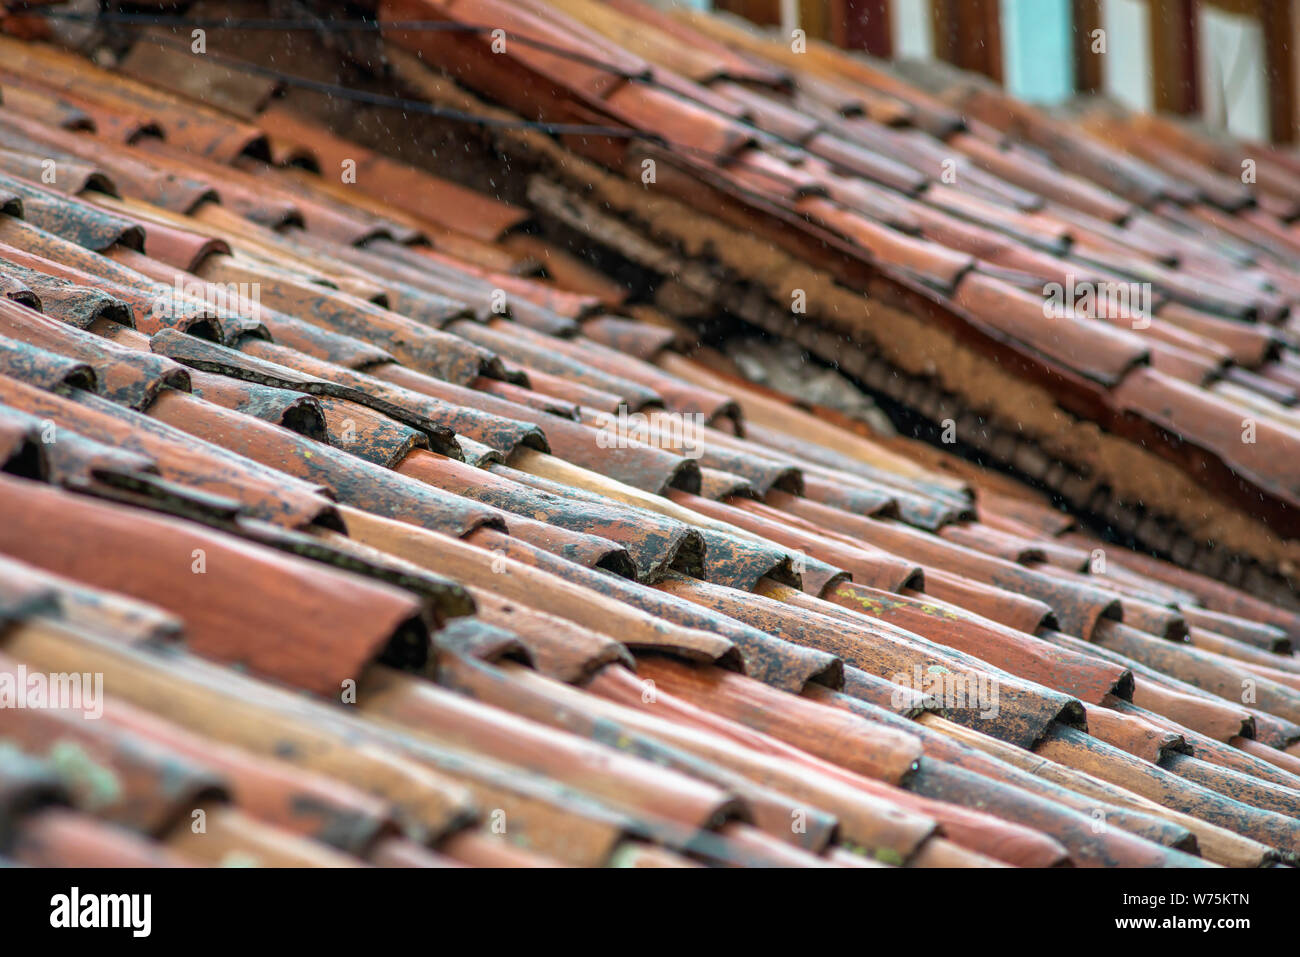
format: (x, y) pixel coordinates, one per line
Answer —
(395, 102)
(416, 106)
(326, 26)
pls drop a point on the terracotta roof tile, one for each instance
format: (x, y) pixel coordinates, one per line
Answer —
(137, 798)
(1024, 797)
(78, 177)
(1106, 355)
(554, 705)
(30, 591)
(352, 479)
(622, 780)
(302, 803)
(866, 820)
(45, 106)
(876, 649)
(125, 376)
(211, 470)
(1214, 425)
(1218, 844)
(742, 700)
(166, 568)
(204, 130)
(59, 838)
(129, 171)
(353, 390)
(560, 649)
(171, 686)
(502, 341)
(153, 306)
(70, 219)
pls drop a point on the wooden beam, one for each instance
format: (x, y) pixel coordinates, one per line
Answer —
(765, 13)
(1088, 76)
(815, 19)
(1279, 21)
(862, 25)
(967, 34)
(1174, 36)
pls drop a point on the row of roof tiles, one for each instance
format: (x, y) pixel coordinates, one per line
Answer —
(979, 198)
(356, 553)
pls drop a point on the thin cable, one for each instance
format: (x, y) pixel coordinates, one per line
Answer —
(325, 26)
(417, 106)
(448, 113)
(393, 102)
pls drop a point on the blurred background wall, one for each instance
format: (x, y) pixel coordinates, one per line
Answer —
(1230, 63)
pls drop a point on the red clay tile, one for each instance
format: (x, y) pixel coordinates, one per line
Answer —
(778, 662)
(1012, 793)
(1004, 647)
(1213, 426)
(352, 479)
(44, 106)
(270, 495)
(561, 649)
(1020, 167)
(502, 341)
(553, 393)
(730, 63)
(1109, 763)
(164, 572)
(771, 713)
(932, 262)
(138, 799)
(654, 543)
(71, 219)
(869, 565)
(553, 704)
(138, 178)
(1103, 354)
(77, 177)
(59, 838)
(864, 819)
(427, 710)
(875, 648)
(257, 717)
(402, 186)
(326, 400)
(860, 161)
(202, 130)
(475, 561)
